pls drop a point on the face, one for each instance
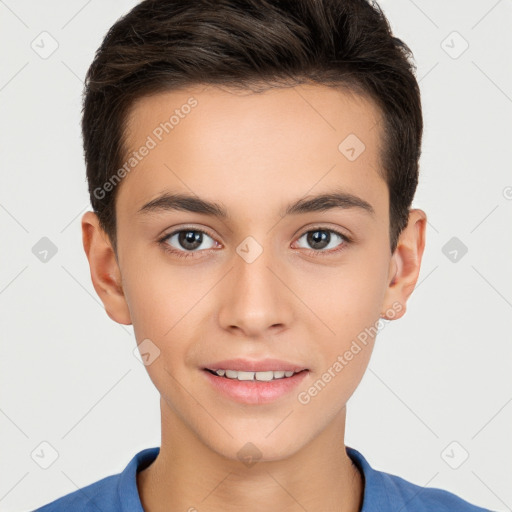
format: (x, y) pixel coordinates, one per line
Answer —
(304, 284)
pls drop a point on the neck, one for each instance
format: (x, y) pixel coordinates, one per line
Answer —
(188, 475)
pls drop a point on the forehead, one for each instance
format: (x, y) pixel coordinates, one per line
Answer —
(218, 142)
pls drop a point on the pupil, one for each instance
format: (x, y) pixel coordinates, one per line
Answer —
(190, 239)
(319, 241)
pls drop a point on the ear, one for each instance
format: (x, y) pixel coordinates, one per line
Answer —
(105, 273)
(405, 265)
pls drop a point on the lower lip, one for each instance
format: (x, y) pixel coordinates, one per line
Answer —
(255, 391)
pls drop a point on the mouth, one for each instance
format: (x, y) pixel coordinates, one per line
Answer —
(254, 388)
(260, 376)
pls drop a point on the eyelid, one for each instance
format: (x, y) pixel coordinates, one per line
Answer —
(322, 227)
(168, 234)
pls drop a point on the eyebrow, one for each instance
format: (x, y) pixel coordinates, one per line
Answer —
(189, 203)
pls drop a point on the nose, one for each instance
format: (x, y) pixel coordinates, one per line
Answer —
(255, 299)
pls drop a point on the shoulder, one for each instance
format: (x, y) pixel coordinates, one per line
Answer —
(101, 494)
(115, 493)
(386, 492)
(424, 499)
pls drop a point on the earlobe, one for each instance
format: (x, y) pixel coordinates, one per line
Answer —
(406, 262)
(104, 268)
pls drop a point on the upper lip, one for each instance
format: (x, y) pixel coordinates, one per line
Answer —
(246, 365)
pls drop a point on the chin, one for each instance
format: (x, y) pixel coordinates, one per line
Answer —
(250, 449)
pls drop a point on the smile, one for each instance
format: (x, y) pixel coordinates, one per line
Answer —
(261, 376)
(244, 388)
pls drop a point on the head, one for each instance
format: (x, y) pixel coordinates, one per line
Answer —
(251, 108)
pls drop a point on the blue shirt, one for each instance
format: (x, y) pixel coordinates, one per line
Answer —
(383, 492)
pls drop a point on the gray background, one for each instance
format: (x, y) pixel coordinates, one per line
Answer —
(438, 388)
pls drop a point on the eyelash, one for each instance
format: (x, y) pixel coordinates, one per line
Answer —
(187, 254)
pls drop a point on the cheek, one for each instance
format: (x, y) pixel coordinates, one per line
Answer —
(349, 304)
(161, 309)
(352, 311)
(155, 300)
(154, 290)
(166, 305)
(348, 298)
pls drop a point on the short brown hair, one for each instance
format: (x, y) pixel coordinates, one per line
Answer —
(161, 45)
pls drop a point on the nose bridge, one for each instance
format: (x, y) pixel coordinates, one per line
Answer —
(254, 299)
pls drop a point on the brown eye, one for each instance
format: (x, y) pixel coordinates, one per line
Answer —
(324, 240)
(186, 241)
(190, 240)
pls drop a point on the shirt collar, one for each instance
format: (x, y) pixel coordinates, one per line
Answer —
(128, 494)
(378, 486)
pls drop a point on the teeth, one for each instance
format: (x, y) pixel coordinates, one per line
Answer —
(263, 376)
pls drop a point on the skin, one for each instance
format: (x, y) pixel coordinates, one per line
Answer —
(254, 154)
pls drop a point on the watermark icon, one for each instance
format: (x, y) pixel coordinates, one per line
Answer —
(44, 455)
(249, 249)
(146, 352)
(454, 45)
(454, 249)
(455, 455)
(44, 44)
(44, 250)
(351, 147)
(157, 135)
(304, 397)
(249, 454)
